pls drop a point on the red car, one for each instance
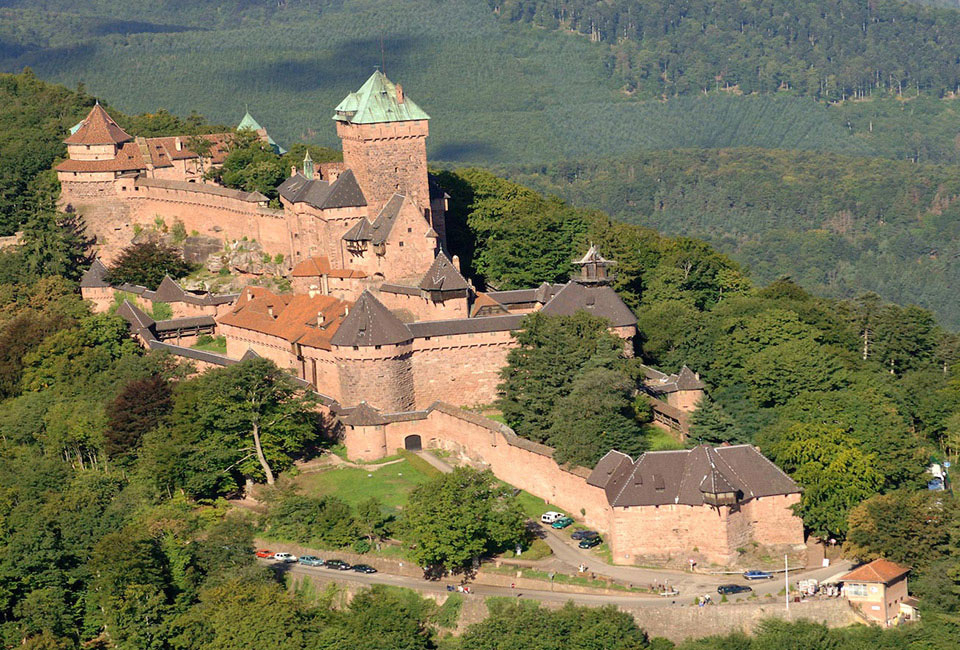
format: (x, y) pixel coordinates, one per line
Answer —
(264, 553)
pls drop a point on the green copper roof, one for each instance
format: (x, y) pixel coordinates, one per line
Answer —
(378, 100)
(248, 123)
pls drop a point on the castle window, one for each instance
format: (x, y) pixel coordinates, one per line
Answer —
(376, 347)
(409, 229)
(401, 244)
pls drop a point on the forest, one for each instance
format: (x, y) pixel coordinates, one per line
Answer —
(837, 225)
(115, 464)
(828, 50)
(560, 94)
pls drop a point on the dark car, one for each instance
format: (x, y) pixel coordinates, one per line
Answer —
(310, 560)
(733, 589)
(584, 534)
(364, 568)
(754, 574)
(590, 542)
(339, 565)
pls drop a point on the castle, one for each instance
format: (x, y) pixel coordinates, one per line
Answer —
(383, 325)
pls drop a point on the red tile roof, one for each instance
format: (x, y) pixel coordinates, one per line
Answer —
(128, 158)
(879, 570)
(320, 265)
(98, 128)
(294, 318)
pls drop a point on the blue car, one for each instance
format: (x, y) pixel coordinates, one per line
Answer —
(757, 575)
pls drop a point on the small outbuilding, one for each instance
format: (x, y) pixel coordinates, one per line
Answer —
(879, 590)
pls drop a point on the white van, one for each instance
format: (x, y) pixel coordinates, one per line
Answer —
(550, 517)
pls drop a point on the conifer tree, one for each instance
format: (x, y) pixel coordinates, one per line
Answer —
(711, 425)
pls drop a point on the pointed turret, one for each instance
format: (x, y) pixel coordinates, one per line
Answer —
(594, 268)
(370, 323)
(378, 100)
(443, 277)
(98, 128)
(308, 166)
(249, 123)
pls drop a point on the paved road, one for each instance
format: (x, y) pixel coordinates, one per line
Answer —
(479, 591)
(686, 582)
(569, 557)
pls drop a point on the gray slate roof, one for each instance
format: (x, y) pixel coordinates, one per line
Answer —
(370, 323)
(684, 476)
(597, 300)
(342, 193)
(443, 276)
(93, 278)
(661, 383)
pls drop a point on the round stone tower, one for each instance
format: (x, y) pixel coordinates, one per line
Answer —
(373, 351)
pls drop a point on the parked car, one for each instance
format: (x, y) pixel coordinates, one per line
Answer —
(733, 589)
(550, 517)
(364, 568)
(754, 574)
(562, 522)
(264, 553)
(286, 558)
(310, 560)
(339, 565)
(590, 542)
(584, 534)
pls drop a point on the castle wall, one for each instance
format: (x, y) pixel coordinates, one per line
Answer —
(422, 308)
(319, 367)
(772, 520)
(685, 400)
(270, 347)
(380, 376)
(670, 531)
(463, 370)
(209, 214)
(528, 470)
(388, 159)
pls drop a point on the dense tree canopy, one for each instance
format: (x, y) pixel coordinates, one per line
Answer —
(455, 519)
(145, 264)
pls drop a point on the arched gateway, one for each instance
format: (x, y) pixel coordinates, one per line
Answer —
(412, 443)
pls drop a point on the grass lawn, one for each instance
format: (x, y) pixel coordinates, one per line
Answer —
(535, 506)
(391, 484)
(217, 345)
(660, 440)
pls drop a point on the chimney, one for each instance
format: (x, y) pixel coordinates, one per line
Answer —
(456, 261)
(270, 311)
(399, 94)
(346, 310)
(293, 170)
(320, 318)
(179, 145)
(312, 292)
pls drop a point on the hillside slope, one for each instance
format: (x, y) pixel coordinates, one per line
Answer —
(838, 225)
(497, 92)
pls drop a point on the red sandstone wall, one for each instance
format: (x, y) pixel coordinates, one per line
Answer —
(462, 370)
(772, 520)
(381, 377)
(388, 159)
(424, 309)
(319, 367)
(685, 400)
(101, 297)
(670, 531)
(269, 347)
(535, 473)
